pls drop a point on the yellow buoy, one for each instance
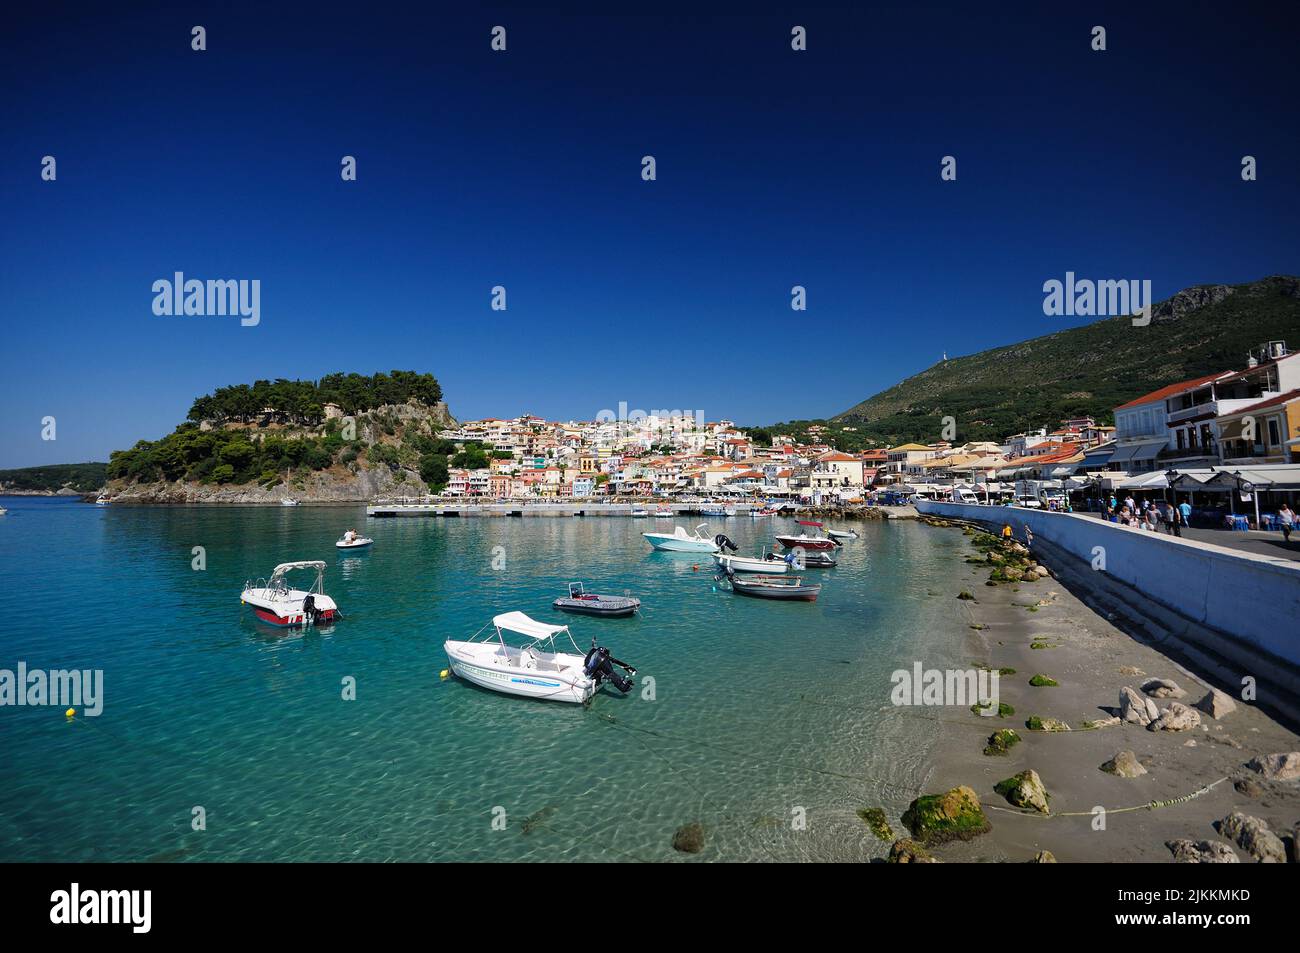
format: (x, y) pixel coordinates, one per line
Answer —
(70, 712)
(443, 673)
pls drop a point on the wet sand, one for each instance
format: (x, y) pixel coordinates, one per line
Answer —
(1090, 656)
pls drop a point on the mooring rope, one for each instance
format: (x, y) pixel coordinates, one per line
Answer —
(1149, 806)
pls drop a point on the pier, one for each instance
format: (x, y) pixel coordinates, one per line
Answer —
(578, 508)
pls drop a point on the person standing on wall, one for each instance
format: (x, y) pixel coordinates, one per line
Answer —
(1287, 520)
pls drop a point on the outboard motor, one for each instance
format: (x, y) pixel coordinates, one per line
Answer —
(722, 541)
(599, 665)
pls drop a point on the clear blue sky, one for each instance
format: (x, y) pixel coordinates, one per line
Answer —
(522, 169)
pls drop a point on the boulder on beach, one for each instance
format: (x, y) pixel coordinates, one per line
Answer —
(953, 815)
(1216, 704)
(1131, 671)
(1176, 717)
(1135, 709)
(1188, 851)
(905, 851)
(1025, 789)
(1253, 835)
(1162, 688)
(1002, 741)
(1277, 767)
(689, 838)
(1044, 857)
(1124, 765)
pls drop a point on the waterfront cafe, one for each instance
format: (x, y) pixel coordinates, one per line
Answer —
(1255, 491)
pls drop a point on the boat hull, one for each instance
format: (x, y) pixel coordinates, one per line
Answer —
(806, 542)
(676, 544)
(799, 593)
(288, 613)
(750, 564)
(357, 544)
(609, 607)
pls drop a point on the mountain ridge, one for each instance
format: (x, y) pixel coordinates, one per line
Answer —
(1084, 371)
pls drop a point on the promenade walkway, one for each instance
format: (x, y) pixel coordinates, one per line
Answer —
(1261, 543)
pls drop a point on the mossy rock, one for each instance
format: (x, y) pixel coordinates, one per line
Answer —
(1004, 710)
(1043, 681)
(953, 815)
(1002, 741)
(874, 818)
(1038, 644)
(965, 596)
(689, 838)
(1034, 723)
(905, 851)
(1025, 790)
(978, 626)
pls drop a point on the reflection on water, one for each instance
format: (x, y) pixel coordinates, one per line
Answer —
(758, 707)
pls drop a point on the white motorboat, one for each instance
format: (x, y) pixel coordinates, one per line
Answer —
(842, 533)
(3, 511)
(664, 513)
(351, 540)
(680, 541)
(103, 500)
(640, 511)
(289, 501)
(535, 669)
(770, 564)
(276, 602)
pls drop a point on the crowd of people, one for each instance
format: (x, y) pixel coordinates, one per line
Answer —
(1152, 515)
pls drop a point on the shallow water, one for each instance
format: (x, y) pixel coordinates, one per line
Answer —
(761, 710)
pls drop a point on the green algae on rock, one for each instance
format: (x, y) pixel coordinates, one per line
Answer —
(953, 815)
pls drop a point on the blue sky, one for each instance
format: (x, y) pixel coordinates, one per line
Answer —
(522, 169)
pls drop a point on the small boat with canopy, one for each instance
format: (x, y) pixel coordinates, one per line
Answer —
(278, 603)
(535, 669)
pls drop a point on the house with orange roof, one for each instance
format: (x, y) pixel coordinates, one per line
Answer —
(1261, 433)
(844, 469)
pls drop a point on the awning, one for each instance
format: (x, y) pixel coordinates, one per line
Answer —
(1134, 452)
(1145, 481)
(1057, 472)
(518, 622)
(1232, 429)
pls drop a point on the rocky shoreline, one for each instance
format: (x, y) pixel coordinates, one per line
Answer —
(1104, 748)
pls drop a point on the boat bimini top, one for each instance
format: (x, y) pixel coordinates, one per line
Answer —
(533, 630)
(277, 575)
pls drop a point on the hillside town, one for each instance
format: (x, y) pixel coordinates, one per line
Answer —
(1234, 430)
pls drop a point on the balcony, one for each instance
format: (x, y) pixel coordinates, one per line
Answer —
(1207, 409)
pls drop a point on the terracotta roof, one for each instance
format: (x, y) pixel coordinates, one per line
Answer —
(1173, 389)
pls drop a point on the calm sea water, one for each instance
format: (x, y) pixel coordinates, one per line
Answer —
(761, 708)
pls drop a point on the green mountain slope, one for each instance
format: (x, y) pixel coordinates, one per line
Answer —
(1085, 371)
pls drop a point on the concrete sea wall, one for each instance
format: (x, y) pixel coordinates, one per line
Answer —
(1245, 608)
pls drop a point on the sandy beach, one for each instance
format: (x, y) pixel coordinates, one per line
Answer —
(1089, 646)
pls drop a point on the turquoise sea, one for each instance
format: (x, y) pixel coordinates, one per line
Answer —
(763, 713)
